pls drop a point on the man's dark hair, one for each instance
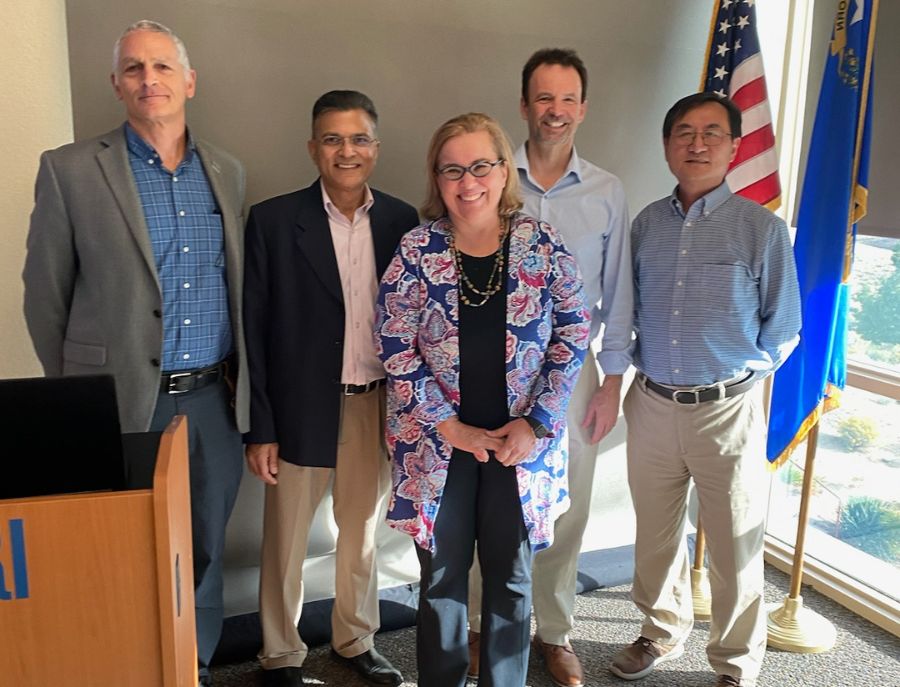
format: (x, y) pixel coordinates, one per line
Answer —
(343, 101)
(564, 57)
(695, 100)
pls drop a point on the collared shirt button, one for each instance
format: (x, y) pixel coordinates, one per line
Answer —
(676, 370)
(688, 224)
(676, 312)
(684, 251)
(181, 213)
(187, 320)
(674, 342)
(187, 284)
(186, 249)
(679, 283)
(150, 161)
(174, 178)
(186, 356)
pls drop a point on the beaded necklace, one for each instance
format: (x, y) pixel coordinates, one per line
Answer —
(495, 281)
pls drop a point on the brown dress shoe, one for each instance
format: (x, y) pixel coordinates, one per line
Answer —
(562, 663)
(474, 654)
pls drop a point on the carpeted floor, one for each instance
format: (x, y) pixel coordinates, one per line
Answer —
(865, 655)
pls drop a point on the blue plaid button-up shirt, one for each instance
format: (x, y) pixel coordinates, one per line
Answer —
(185, 226)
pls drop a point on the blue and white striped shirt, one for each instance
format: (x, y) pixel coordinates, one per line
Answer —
(587, 206)
(716, 292)
(185, 226)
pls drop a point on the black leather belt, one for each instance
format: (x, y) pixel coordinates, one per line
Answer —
(353, 389)
(191, 380)
(700, 394)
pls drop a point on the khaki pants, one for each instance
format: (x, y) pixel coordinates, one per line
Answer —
(555, 570)
(721, 446)
(361, 482)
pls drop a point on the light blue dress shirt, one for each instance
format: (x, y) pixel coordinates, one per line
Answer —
(716, 292)
(587, 207)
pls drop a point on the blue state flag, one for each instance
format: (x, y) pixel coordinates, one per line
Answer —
(832, 201)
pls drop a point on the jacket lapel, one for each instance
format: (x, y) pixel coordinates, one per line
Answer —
(113, 160)
(313, 235)
(383, 236)
(232, 231)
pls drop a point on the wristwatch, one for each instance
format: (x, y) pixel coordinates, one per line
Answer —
(539, 430)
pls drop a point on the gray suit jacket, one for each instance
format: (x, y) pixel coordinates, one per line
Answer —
(92, 298)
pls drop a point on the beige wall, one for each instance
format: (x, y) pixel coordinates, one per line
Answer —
(262, 63)
(35, 114)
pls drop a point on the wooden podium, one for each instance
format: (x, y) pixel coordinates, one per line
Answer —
(97, 589)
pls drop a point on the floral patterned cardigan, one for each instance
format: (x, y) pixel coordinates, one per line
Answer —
(416, 334)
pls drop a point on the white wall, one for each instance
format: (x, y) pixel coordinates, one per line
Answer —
(262, 63)
(35, 114)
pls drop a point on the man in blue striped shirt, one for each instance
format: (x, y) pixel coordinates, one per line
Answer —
(717, 308)
(134, 269)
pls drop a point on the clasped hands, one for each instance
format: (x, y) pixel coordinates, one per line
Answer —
(512, 443)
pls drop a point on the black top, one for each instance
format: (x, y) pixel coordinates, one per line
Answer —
(482, 347)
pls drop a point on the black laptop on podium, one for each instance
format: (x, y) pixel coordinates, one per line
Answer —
(59, 435)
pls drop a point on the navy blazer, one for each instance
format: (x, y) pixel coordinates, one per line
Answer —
(294, 319)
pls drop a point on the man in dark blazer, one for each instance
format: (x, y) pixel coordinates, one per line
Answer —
(314, 260)
(134, 269)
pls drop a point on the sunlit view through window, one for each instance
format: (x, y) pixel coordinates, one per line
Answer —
(855, 507)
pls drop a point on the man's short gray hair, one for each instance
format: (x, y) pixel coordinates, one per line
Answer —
(155, 27)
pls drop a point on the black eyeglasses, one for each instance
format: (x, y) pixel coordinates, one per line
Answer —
(479, 168)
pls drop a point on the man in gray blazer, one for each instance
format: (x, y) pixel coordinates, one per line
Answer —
(134, 269)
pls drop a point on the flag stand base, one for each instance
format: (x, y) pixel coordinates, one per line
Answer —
(791, 627)
(700, 593)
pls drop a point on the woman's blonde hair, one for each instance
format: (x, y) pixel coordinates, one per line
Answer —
(510, 199)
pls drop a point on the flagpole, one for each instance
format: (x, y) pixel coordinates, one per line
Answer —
(700, 591)
(791, 627)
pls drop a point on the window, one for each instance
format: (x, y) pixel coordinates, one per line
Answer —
(854, 517)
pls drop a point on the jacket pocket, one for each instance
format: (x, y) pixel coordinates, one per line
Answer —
(85, 354)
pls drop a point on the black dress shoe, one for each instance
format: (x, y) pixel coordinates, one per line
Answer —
(289, 676)
(204, 681)
(372, 667)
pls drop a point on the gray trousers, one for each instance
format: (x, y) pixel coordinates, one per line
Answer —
(216, 465)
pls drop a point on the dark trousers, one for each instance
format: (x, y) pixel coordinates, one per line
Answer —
(480, 504)
(216, 466)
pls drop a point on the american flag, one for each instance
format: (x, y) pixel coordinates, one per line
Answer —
(734, 67)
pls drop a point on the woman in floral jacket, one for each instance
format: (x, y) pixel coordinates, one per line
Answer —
(482, 330)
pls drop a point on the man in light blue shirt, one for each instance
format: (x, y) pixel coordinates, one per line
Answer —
(587, 206)
(717, 308)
